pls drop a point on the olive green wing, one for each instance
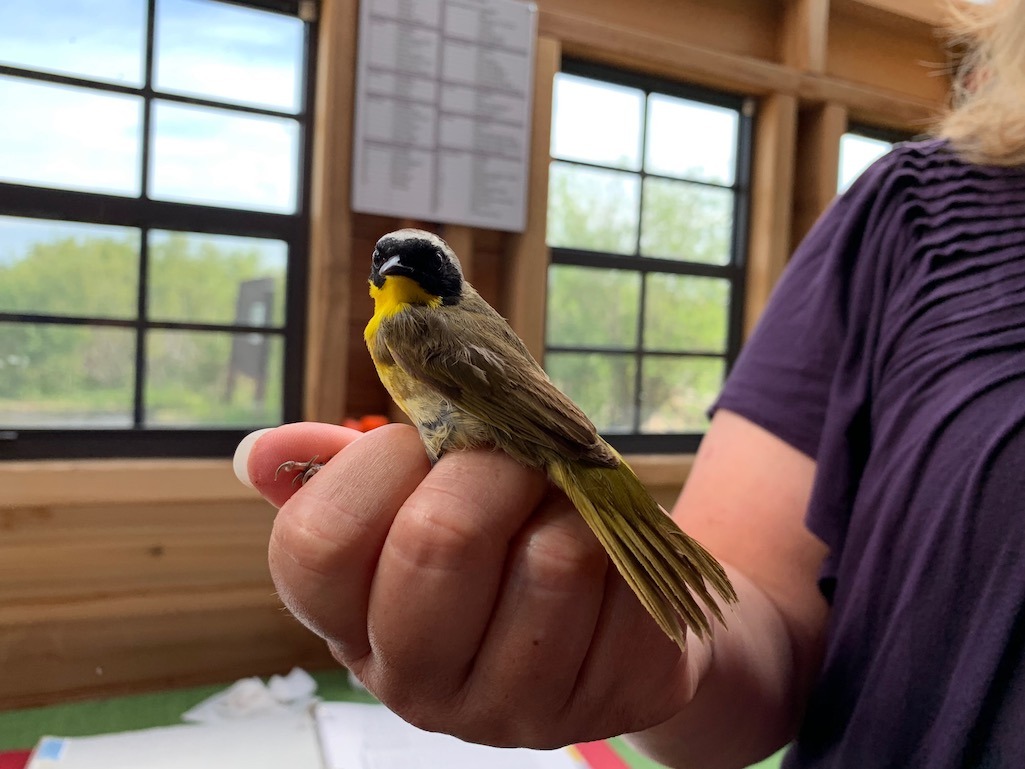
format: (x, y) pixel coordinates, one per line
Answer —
(473, 359)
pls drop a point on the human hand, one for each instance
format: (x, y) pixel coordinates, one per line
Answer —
(470, 597)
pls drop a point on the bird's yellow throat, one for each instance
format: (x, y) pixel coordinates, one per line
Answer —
(395, 295)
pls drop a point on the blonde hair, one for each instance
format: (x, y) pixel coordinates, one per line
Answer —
(986, 123)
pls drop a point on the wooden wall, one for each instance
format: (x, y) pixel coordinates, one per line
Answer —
(120, 576)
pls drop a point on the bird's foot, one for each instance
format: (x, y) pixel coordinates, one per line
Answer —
(306, 470)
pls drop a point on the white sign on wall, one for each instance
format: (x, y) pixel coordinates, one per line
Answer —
(443, 104)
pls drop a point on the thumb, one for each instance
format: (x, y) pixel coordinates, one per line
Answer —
(261, 453)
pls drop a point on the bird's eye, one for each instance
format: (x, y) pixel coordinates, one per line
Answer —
(377, 258)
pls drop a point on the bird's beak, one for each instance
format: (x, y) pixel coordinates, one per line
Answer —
(390, 266)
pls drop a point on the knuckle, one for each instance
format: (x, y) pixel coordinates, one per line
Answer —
(294, 544)
(562, 556)
(300, 535)
(432, 539)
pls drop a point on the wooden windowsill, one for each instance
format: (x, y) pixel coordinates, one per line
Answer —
(119, 481)
(661, 469)
(126, 481)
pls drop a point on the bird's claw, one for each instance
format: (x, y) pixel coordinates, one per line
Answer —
(306, 470)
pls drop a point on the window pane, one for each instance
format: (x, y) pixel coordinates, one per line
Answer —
(691, 140)
(229, 53)
(204, 378)
(592, 209)
(197, 278)
(67, 268)
(96, 40)
(590, 307)
(216, 157)
(856, 154)
(597, 122)
(684, 313)
(70, 138)
(676, 392)
(602, 385)
(690, 222)
(66, 376)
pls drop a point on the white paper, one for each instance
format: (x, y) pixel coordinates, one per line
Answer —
(357, 736)
(443, 110)
(256, 743)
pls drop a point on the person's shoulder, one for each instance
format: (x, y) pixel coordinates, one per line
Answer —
(915, 161)
(932, 162)
(909, 173)
(923, 152)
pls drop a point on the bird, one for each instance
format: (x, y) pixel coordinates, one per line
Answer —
(465, 379)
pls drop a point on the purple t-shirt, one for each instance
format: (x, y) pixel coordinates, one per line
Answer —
(893, 353)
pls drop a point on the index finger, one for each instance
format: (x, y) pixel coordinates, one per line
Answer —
(327, 538)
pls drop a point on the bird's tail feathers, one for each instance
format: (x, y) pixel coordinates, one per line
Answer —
(667, 570)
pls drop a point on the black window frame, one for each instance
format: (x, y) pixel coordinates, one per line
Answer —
(734, 271)
(147, 214)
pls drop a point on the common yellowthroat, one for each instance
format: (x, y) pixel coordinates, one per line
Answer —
(464, 378)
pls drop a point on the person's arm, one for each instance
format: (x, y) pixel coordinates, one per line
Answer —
(472, 599)
(745, 500)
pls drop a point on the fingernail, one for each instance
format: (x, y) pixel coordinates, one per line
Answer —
(240, 462)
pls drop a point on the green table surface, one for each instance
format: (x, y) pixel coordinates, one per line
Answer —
(21, 729)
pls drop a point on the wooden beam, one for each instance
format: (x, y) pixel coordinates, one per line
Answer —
(805, 35)
(874, 106)
(526, 275)
(745, 27)
(582, 37)
(930, 12)
(772, 191)
(887, 54)
(819, 129)
(330, 216)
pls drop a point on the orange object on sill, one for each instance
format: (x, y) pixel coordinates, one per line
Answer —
(369, 422)
(366, 423)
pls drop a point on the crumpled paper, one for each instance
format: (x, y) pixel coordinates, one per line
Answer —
(251, 697)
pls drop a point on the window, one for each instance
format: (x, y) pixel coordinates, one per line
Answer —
(647, 218)
(861, 147)
(153, 223)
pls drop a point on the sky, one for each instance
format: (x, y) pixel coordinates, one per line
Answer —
(603, 123)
